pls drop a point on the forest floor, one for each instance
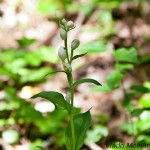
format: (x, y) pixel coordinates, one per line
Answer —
(132, 28)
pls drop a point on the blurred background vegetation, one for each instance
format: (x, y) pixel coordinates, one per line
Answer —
(116, 35)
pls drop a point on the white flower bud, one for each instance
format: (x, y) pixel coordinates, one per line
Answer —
(63, 34)
(75, 43)
(68, 97)
(70, 24)
(58, 15)
(62, 53)
(67, 67)
(64, 21)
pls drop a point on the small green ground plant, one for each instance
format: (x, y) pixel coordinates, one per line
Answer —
(78, 123)
(139, 112)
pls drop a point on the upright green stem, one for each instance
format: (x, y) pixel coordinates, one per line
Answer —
(72, 130)
(66, 47)
(70, 80)
(71, 55)
(71, 116)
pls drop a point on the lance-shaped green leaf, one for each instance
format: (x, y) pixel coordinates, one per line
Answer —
(144, 101)
(57, 107)
(86, 80)
(104, 88)
(123, 66)
(140, 89)
(25, 42)
(114, 78)
(93, 47)
(54, 97)
(77, 56)
(128, 55)
(136, 112)
(55, 72)
(81, 125)
(40, 147)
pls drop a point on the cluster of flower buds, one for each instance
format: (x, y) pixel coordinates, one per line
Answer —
(65, 26)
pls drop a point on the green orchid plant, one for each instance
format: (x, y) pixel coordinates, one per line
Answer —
(78, 123)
